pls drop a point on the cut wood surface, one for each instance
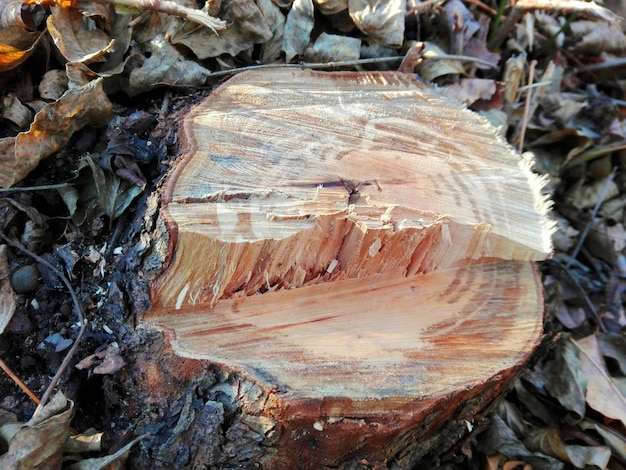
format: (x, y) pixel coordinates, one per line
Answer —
(358, 246)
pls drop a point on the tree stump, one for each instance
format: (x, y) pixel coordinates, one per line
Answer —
(350, 261)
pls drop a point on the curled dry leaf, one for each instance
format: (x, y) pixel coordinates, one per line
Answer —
(13, 110)
(7, 296)
(17, 38)
(52, 128)
(39, 442)
(247, 26)
(587, 9)
(434, 63)
(75, 39)
(331, 7)
(381, 20)
(101, 463)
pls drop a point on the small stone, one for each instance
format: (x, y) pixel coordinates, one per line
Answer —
(25, 279)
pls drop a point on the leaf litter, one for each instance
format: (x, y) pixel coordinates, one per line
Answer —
(548, 72)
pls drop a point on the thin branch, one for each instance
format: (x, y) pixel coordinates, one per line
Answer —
(526, 117)
(77, 309)
(35, 188)
(171, 8)
(308, 65)
(583, 236)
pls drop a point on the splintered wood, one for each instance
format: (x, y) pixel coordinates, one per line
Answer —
(354, 240)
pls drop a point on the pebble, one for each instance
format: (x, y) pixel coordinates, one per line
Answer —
(25, 279)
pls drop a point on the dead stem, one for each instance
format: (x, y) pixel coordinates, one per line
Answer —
(79, 314)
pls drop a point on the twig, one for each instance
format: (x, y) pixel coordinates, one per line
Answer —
(19, 382)
(526, 117)
(308, 65)
(35, 188)
(583, 236)
(171, 8)
(77, 309)
(343, 63)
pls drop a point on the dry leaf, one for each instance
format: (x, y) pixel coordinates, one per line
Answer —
(602, 393)
(89, 441)
(11, 56)
(472, 90)
(585, 196)
(106, 462)
(298, 27)
(52, 128)
(331, 7)
(593, 37)
(548, 441)
(107, 361)
(39, 442)
(333, 48)
(101, 192)
(565, 381)
(165, 67)
(381, 20)
(75, 38)
(246, 27)
(13, 110)
(613, 440)
(270, 49)
(434, 64)
(17, 39)
(7, 296)
(587, 9)
(53, 84)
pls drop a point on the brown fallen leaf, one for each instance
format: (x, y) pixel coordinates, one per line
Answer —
(472, 90)
(593, 37)
(75, 39)
(52, 128)
(549, 442)
(380, 20)
(602, 393)
(39, 442)
(165, 67)
(17, 38)
(246, 27)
